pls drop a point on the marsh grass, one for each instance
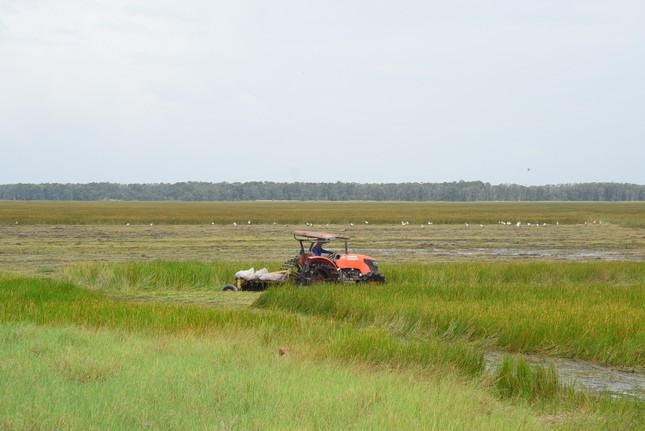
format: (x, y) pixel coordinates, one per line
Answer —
(298, 212)
(591, 311)
(122, 365)
(157, 276)
(515, 377)
(62, 303)
(92, 379)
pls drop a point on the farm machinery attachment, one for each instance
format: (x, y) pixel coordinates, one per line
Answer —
(313, 264)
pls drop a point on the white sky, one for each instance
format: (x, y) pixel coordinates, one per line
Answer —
(148, 91)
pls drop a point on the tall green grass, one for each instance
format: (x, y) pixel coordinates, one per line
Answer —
(62, 303)
(515, 377)
(78, 379)
(592, 311)
(151, 276)
(165, 365)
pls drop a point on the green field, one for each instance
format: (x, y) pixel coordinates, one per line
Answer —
(628, 214)
(109, 326)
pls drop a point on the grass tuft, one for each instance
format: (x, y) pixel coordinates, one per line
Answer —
(515, 377)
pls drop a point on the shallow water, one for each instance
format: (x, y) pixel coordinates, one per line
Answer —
(584, 375)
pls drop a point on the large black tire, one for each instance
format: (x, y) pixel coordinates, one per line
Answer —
(229, 288)
(318, 273)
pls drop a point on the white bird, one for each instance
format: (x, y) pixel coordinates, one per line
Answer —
(212, 222)
(366, 222)
(519, 224)
(234, 223)
(467, 225)
(429, 222)
(481, 225)
(249, 222)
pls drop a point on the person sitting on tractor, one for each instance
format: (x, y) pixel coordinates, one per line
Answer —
(318, 249)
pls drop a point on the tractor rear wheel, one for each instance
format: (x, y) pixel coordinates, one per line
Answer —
(318, 273)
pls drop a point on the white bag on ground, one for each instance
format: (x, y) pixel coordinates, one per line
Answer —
(247, 274)
(273, 276)
(260, 272)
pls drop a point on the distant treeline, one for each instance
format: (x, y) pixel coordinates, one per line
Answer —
(461, 191)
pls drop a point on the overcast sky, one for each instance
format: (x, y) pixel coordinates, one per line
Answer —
(152, 91)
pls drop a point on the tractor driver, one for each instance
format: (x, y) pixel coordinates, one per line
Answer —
(318, 249)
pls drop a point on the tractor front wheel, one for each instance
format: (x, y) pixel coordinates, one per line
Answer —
(229, 288)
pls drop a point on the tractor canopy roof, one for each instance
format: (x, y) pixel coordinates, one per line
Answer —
(318, 235)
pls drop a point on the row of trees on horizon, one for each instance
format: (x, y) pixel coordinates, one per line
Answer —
(458, 191)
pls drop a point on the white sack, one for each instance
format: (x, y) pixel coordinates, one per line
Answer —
(260, 272)
(273, 276)
(248, 274)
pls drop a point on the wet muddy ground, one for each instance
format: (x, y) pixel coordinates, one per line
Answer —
(45, 248)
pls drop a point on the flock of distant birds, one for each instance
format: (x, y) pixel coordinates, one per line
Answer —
(406, 223)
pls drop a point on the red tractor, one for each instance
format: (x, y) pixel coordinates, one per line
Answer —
(314, 264)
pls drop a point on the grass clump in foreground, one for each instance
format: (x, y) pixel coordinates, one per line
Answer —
(515, 377)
